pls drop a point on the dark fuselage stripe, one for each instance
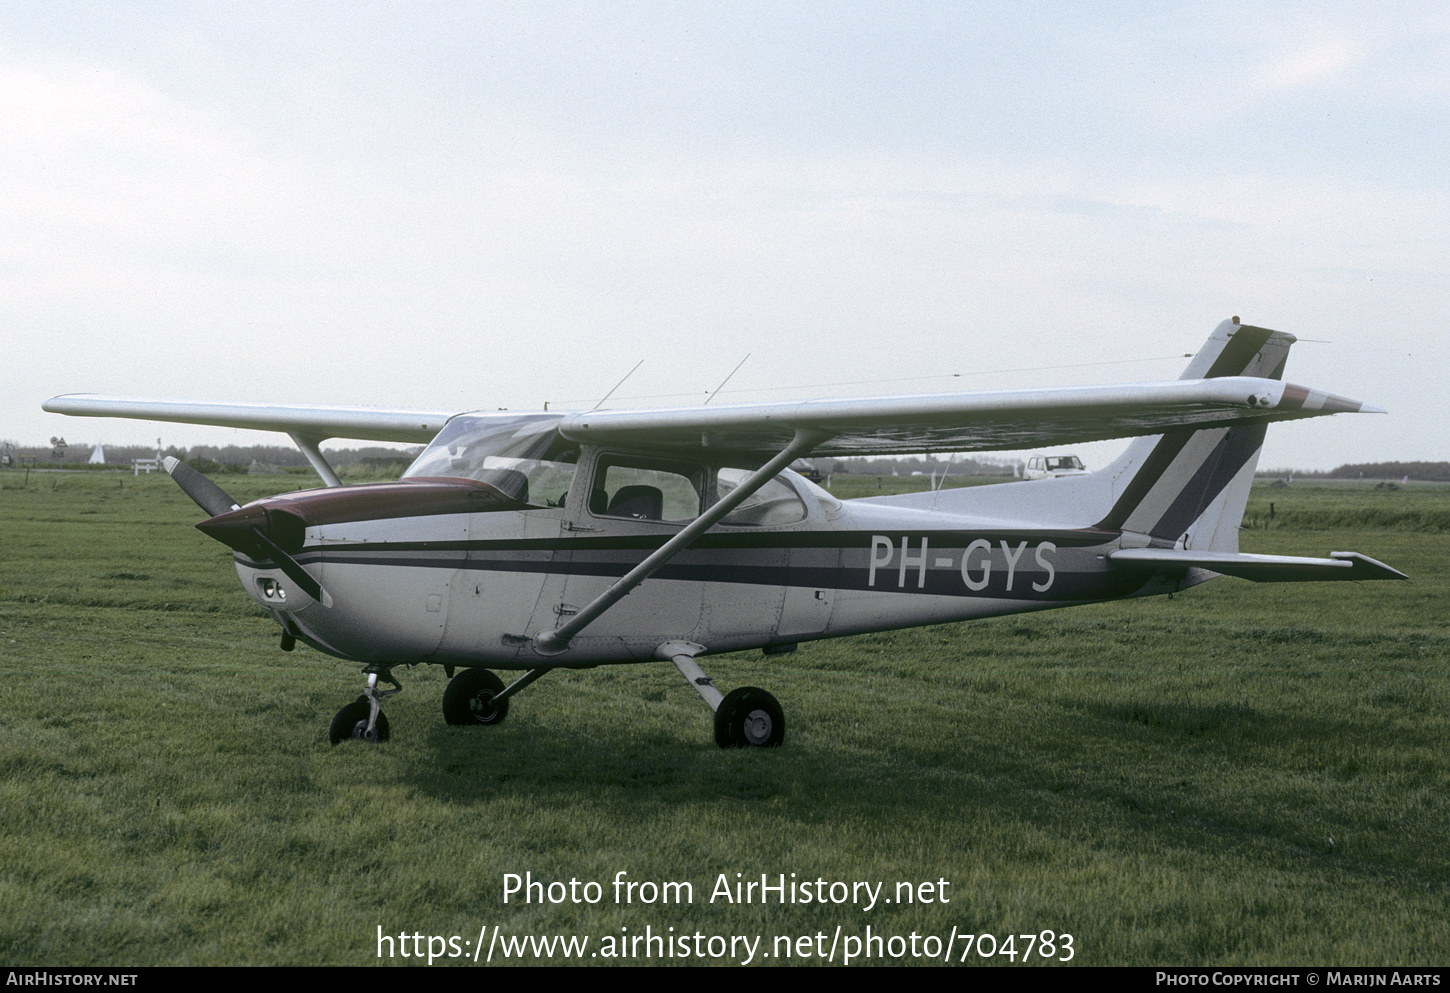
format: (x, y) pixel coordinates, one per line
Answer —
(1080, 577)
(775, 541)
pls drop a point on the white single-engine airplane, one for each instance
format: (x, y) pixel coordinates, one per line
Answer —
(546, 540)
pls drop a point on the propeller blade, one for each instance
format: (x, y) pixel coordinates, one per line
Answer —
(213, 499)
(208, 495)
(292, 568)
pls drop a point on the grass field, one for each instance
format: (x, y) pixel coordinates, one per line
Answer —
(1242, 774)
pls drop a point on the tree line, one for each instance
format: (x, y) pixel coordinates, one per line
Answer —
(242, 457)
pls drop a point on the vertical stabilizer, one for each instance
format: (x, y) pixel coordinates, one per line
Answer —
(1189, 488)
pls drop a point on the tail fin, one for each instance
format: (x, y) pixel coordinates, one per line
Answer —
(1189, 488)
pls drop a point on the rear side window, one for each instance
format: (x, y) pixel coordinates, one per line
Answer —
(775, 503)
(647, 490)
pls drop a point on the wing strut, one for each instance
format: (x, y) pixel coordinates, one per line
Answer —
(556, 641)
(308, 443)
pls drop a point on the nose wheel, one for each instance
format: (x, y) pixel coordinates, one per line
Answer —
(351, 722)
(363, 719)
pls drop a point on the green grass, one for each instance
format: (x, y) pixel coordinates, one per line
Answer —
(1423, 507)
(1242, 774)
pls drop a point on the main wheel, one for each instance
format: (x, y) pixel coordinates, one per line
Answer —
(749, 716)
(352, 722)
(469, 698)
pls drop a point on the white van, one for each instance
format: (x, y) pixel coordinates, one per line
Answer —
(1052, 466)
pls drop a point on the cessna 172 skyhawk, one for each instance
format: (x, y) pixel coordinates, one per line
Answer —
(533, 541)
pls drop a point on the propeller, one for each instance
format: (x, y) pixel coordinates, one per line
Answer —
(292, 568)
(240, 530)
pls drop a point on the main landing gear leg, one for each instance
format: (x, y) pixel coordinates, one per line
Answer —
(364, 719)
(746, 716)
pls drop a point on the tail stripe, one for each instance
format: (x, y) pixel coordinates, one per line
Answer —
(1240, 350)
(1177, 477)
(1232, 453)
(1143, 481)
(1160, 501)
(1278, 371)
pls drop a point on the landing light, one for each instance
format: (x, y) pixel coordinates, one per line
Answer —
(271, 589)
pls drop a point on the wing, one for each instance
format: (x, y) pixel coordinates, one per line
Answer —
(960, 422)
(314, 421)
(1240, 367)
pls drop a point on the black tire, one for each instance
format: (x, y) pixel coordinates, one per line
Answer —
(469, 698)
(749, 716)
(352, 722)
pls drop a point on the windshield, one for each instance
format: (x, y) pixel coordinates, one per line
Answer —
(521, 455)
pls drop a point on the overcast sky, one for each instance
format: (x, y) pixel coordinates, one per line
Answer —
(482, 205)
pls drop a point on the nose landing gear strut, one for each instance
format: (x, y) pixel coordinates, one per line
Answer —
(363, 719)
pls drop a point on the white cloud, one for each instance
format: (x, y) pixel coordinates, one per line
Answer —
(1311, 65)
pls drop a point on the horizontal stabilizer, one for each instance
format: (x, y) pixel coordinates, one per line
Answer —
(1259, 568)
